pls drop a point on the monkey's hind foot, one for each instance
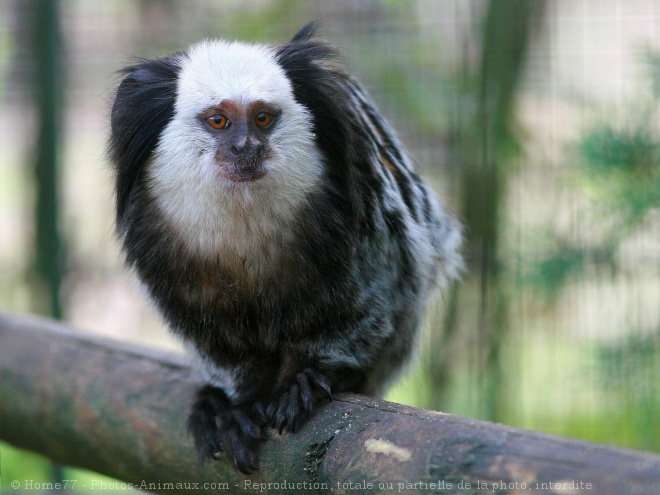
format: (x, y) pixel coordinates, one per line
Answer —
(292, 404)
(218, 426)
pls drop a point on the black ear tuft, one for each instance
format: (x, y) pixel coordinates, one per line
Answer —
(319, 85)
(144, 104)
(307, 32)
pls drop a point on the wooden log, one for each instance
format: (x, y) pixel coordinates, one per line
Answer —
(120, 409)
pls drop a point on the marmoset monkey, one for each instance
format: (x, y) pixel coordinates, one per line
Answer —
(279, 228)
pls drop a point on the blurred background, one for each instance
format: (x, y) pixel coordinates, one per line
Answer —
(538, 124)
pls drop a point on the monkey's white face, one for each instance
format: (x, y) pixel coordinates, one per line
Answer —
(238, 159)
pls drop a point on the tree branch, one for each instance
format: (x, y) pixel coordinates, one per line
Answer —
(120, 409)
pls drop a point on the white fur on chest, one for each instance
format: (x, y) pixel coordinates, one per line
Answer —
(247, 225)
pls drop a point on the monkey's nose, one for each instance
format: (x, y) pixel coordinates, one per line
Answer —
(240, 146)
(246, 145)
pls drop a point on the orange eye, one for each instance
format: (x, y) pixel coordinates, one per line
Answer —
(217, 121)
(263, 119)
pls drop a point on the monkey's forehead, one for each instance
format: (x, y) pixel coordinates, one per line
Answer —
(213, 71)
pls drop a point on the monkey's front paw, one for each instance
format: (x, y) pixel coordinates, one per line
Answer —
(291, 406)
(217, 426)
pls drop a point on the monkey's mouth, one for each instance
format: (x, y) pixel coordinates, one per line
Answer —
(242, 171)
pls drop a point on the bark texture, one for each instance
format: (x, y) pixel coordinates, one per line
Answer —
(120, 410)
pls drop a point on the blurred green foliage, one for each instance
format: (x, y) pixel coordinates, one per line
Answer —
(617, 170)
(21, 465)
(622, 168)
(629, 370)
(551, 272)
(26, 467)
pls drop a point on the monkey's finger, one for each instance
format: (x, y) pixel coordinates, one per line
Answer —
(247, 426)
(293, 411)
(259, 413)
(203, 427)
(306, 394)
(279, 419)
(238, 451)
(271, 410)
(320, 382)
